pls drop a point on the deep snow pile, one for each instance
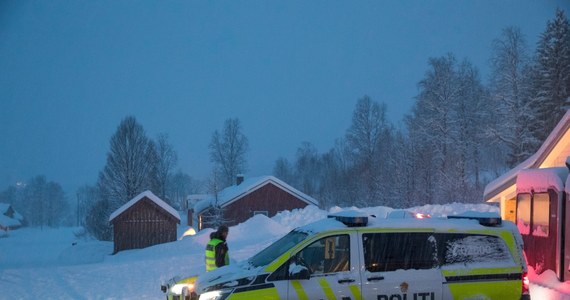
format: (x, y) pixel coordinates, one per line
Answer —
(55, 264)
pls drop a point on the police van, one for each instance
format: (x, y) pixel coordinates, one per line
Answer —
(353, 256)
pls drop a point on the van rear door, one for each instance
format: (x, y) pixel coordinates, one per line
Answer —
(400, 265)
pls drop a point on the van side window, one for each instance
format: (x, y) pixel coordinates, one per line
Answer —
(327, 255)
(384, 252)
(473, 250)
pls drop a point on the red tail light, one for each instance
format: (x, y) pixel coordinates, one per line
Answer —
(525, 283)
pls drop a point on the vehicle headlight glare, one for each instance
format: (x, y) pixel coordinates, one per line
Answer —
(214, 295)
(177, 289)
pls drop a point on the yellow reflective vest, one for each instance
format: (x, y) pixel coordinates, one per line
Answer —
(211, 255)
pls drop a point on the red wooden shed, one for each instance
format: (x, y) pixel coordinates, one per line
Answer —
(144, 221)
(266, 195)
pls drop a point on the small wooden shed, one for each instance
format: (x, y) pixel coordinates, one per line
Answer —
(144, 221)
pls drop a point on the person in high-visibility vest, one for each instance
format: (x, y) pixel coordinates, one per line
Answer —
(217, 249)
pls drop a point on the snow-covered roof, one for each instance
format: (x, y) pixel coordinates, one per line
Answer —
(152, 197)
(438, 224)
(540, 180)
(6, 221)
(4, 208)
(236, 192)
(495, 187)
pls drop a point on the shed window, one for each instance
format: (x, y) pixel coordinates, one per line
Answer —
(261, 212)
(523, 213)
(540, 214)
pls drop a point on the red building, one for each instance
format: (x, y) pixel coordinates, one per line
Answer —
(144, 221)
(536, 196)
(261, 195)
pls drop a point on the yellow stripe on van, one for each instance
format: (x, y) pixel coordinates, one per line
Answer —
(261, 294)
(355, 291)
(299, 289)
(480, 271)
(327, 289)
(485, 290)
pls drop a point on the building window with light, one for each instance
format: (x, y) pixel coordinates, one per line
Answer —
(523, 213)
(541, 214)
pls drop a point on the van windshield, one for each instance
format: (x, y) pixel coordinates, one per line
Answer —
(276, 249)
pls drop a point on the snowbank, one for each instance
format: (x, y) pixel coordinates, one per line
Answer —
(55, 264)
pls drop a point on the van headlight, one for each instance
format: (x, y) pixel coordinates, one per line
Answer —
(215, 295)
(182, 288)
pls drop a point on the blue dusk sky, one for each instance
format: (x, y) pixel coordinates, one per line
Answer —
(291, 71)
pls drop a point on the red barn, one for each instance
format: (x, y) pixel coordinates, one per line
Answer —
(144, 221)
(261, 195)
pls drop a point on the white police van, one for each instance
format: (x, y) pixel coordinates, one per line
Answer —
(351, 256)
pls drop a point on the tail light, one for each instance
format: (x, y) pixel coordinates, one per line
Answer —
(525, 283)
(421, 216)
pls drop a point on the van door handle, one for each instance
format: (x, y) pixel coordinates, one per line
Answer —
(345, 280)
(375, 278)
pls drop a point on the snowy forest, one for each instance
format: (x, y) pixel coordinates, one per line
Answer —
(462, 132)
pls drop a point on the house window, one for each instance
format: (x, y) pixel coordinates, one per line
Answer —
(540, 214)
(261, 212)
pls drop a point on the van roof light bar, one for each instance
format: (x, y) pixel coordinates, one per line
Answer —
(485, 219)
(350, 218)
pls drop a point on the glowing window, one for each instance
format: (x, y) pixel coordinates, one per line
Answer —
(541, 214)
(523, 213)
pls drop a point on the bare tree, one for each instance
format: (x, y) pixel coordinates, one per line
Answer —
(214, 215)
(227, 151)
(180, 186)
(308, 169)
(284, 171)
(366, 138)
(165, 163)
(43, 203)
(130, 164)
(86, 196)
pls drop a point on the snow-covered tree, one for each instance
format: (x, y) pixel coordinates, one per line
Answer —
(552, 74)
(471, 111)
(445, 142)
(511, 95)
(433, 127)
(228, 150)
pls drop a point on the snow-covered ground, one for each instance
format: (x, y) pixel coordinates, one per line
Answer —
(56, 264)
